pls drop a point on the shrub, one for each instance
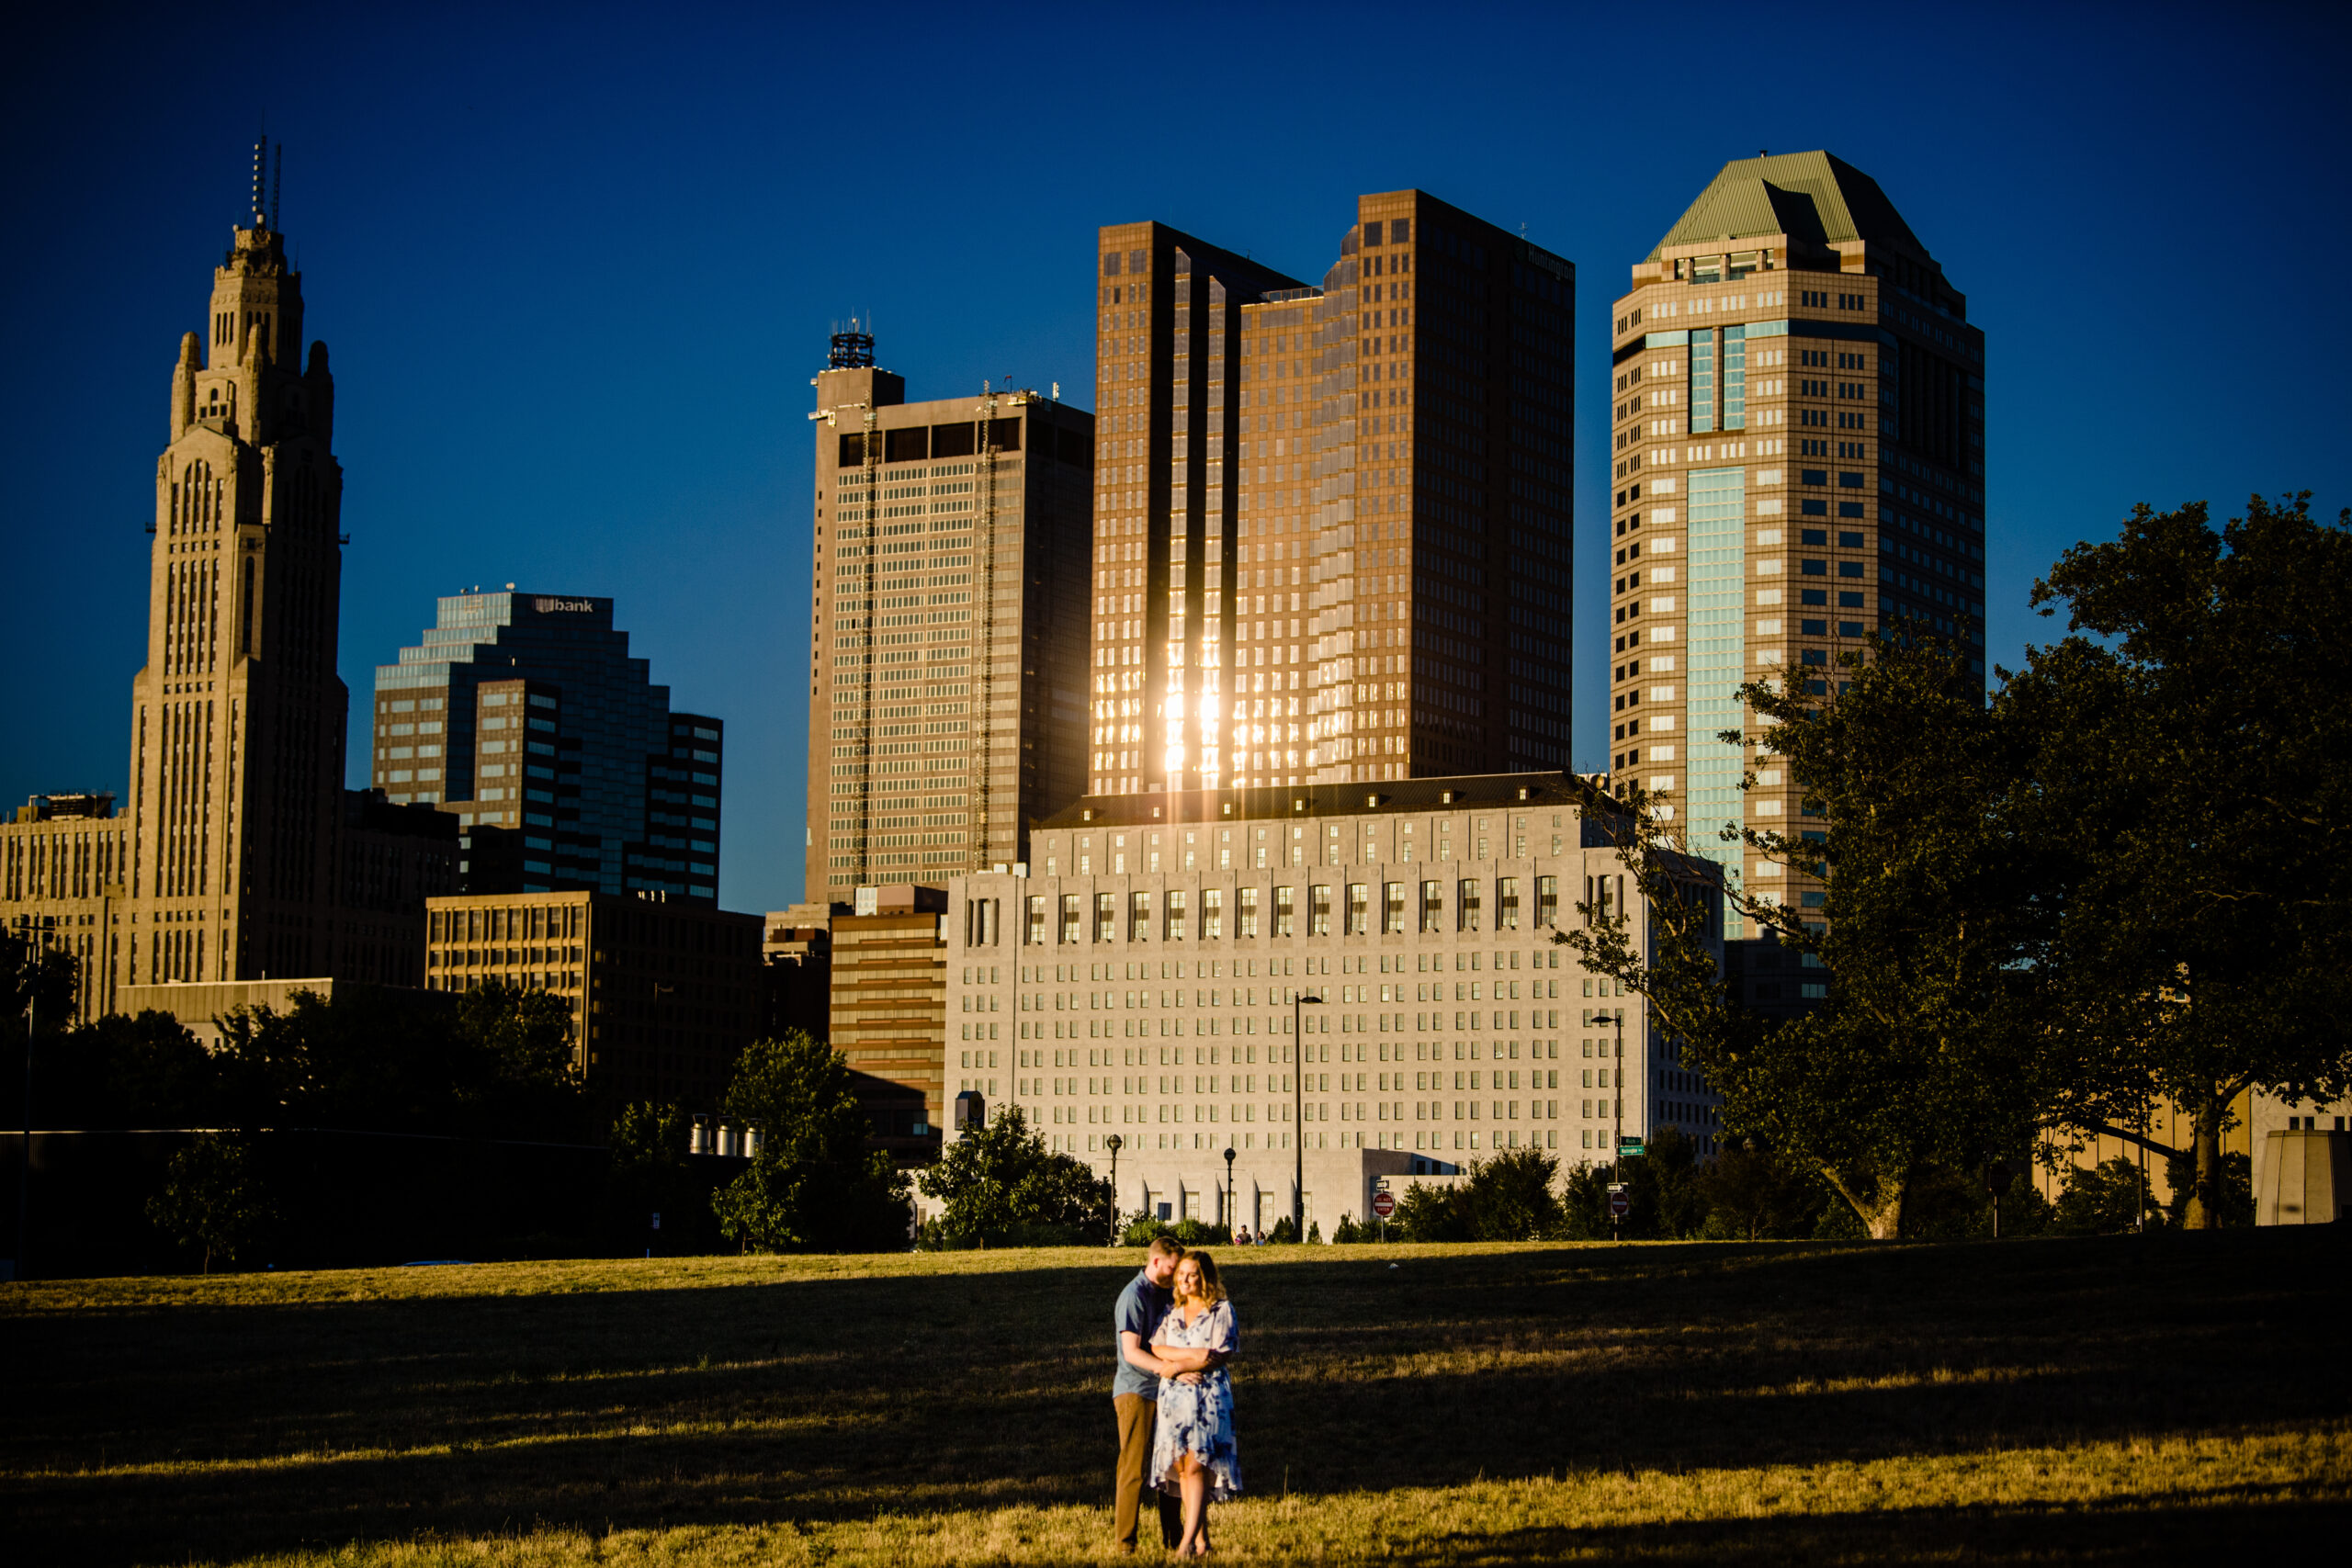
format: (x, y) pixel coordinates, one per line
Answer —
(2109, 1198)
(214, 1199)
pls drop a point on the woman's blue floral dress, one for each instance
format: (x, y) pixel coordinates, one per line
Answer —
(1197, 1418)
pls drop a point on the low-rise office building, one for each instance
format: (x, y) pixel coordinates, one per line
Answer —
(1139, 982)
(890, 1012)
(663, 997)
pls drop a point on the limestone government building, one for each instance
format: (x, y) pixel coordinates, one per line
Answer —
(1137, 978)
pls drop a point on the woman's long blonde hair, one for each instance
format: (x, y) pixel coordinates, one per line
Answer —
(1212, 1287)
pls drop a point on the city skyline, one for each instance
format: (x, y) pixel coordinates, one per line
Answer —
(597, 443)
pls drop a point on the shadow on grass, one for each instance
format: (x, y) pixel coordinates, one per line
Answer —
(200, 1431)
(2188, 1527)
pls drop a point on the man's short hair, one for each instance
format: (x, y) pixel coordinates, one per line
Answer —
(1166, 1247)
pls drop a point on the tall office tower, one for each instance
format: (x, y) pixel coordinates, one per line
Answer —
(1331, 523)
(947, 637)
(1799, 466)
(525, 715)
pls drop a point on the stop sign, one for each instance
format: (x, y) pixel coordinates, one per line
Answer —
(1620, 1205)
(1383, 1204)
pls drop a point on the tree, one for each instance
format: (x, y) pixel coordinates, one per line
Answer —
(1508, 1197)
(650, 1174)
(2199, 724)
(44, 978)
(2230, 1199)
(386, 1059)
(1929, 936)
(1430, 1212)
(119, 1071)
(1000, 1184)
(1751, 1194)
(2109, 1198)
(214, 1199)
(814, 1186)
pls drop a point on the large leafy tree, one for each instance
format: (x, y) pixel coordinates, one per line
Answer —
(1001, 1183)
(2198, 728)
(495, 1062)
(815, 1185)
(1927, 939)
(42, 978)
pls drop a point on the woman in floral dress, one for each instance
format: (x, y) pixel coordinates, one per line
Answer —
(1192, 1451)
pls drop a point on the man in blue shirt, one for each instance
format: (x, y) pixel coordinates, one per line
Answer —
(1135, 1391)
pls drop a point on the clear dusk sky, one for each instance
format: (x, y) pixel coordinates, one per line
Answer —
(576, 265)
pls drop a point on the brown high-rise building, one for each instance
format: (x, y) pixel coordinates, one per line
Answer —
(245, 858)
(1331, 524)
(947, 643)
(1799, 466)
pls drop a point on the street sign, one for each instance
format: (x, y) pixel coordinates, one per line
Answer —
(1384, 1204)
(1620, 1205)
(1629, 1144)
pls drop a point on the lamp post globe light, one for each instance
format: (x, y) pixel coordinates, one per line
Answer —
(1298, 1000)
(1114, 1143)
(1230, 1228)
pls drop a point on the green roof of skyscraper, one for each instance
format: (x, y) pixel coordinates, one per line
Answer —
(1809, 196)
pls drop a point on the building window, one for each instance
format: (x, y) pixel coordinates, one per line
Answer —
(1176, 914)
(1465, 905)
(1359, 909)
(1106, 916)
(1506, 904)
(1246, 916)
(1547, 900)
(1433, 907)
(1139, 916)
(1212, 913)
(1284, 911)
(1033, 932)
(1392, 909)
(1319, 911)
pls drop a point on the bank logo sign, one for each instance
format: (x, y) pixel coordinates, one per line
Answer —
(549, 606)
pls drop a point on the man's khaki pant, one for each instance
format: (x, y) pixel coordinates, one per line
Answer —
(1137, 1417)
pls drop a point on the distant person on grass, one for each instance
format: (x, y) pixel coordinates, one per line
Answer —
(1135, 1389)
(1192, 1451)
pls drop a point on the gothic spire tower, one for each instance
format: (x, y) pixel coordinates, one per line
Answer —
(237, 727)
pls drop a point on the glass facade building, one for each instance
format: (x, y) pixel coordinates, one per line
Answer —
(525, 715)
(1331, 520)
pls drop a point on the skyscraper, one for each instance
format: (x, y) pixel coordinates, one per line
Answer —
(246, 858)
(1798, 465)
(947, 636)
(1332, 522)
(525, 714)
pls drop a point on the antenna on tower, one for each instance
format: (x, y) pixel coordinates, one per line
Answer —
(278, 181)
(261, 169)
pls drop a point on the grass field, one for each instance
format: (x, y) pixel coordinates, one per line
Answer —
(2126, 1399)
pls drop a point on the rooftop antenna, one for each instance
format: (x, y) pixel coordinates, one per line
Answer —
(261, 170)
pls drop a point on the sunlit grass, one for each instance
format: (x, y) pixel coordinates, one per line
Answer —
(2122, 1399)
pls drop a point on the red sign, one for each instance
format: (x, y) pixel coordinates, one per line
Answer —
(1620, 1205)
(1383, 1204)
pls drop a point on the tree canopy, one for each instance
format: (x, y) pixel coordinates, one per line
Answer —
(1000, 1184)
(814, 1186)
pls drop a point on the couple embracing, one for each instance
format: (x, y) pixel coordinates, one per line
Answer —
(1173, 1397)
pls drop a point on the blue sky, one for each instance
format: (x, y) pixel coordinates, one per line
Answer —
(576, 266)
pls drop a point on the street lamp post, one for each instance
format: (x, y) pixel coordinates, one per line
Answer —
(1298, 999)
(1114, 1143)
(1230, 1227)
(25, 1151)
(1617, 1100)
